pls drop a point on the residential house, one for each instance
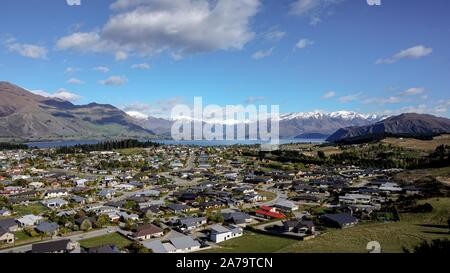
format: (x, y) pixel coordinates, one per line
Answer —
(299, 226)
(182, 244)
(221, 233)
(49, 228)
(5, 213)
(61, 246)
(352, 198)
(178, 208)
(29, 220)
(58, 193)
(341, 220)
(191, 223)
(238, 218)
(9, 224)
(55, 203)
(6, 236)
(286, 205)
(148, 231)
(269, 213)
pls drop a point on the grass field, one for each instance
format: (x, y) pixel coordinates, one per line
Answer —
(35, 209)
(416, 144)
(409, 232)
(252, 243)
(113, 238)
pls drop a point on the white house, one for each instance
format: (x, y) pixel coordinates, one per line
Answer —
(222, 233)
(55, 203)
(350, 198)
(56, 193)
(29, 220)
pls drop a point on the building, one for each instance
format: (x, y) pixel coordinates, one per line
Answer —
(190, 223)
(269, 213)
(341, 220)
(29, 220)
(6, 236)
(48, 228)
(56, 193)
(55, 203)
(146, 232)
(286, 205)
(182, 244)
(61, 246)
(221, 233)
(351, 198)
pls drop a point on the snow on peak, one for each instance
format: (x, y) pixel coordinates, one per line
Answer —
(348, 115)
(137, 115)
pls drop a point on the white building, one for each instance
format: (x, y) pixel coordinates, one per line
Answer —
(221, 233)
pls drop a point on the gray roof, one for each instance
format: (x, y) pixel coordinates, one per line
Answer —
(191, 221)
(184, 242)
(219, 229)
(47, 227)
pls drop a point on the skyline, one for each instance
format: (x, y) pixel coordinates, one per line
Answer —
(302, 55)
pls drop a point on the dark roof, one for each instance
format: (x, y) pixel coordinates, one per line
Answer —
(104, 249)
(3, 231)
(341, 218)
(147, 230)
(8, 223)
(50, 247)
(177, 207)
(47, 227)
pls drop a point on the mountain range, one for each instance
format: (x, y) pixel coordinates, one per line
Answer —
(408, 124)
(28, 116)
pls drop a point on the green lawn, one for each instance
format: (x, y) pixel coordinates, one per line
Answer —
(252, 243)
(113, 238)
(409, 232)
(35, 208)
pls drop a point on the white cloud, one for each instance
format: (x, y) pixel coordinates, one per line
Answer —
(253, 100)
(121, 55)
(382, 101)
(147, 27)
(329, 95)
(313, 9)
(414, 91)
(160, 108)
(350, 98)
(102, 69)
(262, 54)
(75, 81)
(61, 93)
(274, 35)
(26, 50)
(304, 43)
(114, 81)
(73, 2)
(415, 52)
(143, 66)
(71, 70)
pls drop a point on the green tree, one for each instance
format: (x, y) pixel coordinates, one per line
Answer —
(86, 225)
(102, 221)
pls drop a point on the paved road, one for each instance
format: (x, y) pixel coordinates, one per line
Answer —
(77, 237)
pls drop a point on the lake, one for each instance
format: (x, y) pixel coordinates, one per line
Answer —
(206, 143)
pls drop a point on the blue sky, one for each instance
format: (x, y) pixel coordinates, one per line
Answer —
(303, 55)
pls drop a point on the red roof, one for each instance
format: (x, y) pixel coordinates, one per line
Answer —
(270, 214)
(266, 208)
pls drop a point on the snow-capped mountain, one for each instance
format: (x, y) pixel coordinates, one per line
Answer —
(347, 115)
(299, 124)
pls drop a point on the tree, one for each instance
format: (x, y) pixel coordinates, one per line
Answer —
(137, 247)
(102, 221)
(86, 225)
(435, 246)
(321, 154)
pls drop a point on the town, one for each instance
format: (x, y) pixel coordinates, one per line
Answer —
(181, 199)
